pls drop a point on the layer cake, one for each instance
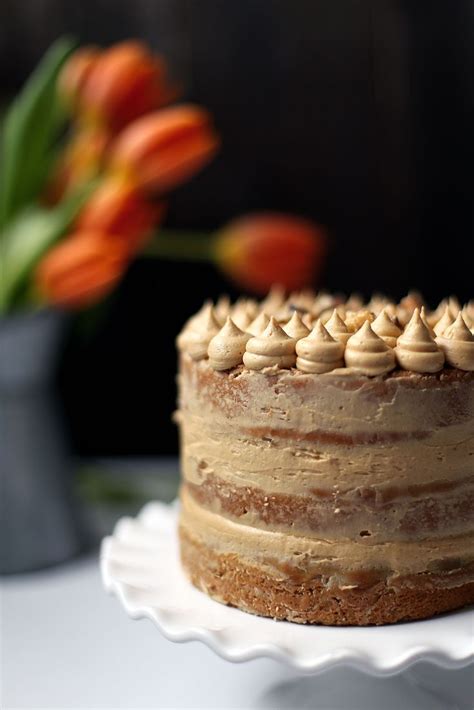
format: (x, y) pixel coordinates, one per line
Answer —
(327, 453)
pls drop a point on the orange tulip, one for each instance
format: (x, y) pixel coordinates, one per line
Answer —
(81, 270)
(76, 72)
(258, 251)
(125, 82)
(118, 209)
(164, 149)
(81, 161)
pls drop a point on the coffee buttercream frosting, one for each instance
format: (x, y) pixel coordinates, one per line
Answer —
(319, 489)
(407, 306)
(444, 322)
(386, 329)
(424, 318)
(274, 348)
(274, 301)
(415, 343)
(458, 345)
(258, 325)
(242, 314)
(227, 348)
(378, 303)
(222, 309)
(468, 315)
(416, 350)
(367, 353)
(295, 327)
(319, 352)
(337, 328)
(196, 337)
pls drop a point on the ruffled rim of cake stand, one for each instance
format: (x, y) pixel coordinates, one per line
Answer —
(140, 566)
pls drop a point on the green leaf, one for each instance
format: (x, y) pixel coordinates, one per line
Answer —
(26, 240)
(31, 126)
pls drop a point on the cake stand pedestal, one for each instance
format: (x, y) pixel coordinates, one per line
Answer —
(140, 565)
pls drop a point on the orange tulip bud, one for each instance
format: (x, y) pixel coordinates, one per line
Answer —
(258, 251)
(81, 161)
(124, 83)
(164, 149)
(75, 74)
(118, 209)
(81, 270)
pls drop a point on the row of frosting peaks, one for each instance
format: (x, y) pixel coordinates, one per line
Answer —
(359, 340)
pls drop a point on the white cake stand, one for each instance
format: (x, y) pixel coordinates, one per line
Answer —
(140, 565)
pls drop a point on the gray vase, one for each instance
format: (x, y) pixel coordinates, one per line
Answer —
(39, 524)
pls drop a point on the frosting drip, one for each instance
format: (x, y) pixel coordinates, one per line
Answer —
(273, 348)
(416, 350)
(319, 352)
(226, 349)
(367, 353)
(458, 345)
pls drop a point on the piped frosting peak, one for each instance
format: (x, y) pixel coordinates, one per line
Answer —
(424, 318)
(416, 350)
(458, 345)
(421, 341)
(367, 353)
(258, 326)
(468, 315)
(407, 306)
(243, 312)
(444, 322)
(295, 327)
(386, 329)
(336, 327)
(273, 348)
(222, 309)
(319, 352)
(226, 349)
(195, 338)
(274, 301)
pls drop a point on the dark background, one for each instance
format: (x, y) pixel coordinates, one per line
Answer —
(356, 113)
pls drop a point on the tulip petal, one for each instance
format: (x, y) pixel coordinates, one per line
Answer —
(81, 270)
(125, 83)
(162, 150)
(257, 251)
(119, 209)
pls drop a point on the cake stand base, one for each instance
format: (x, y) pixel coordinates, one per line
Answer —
(140, 565)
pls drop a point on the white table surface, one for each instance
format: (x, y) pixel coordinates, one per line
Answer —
(66, 644)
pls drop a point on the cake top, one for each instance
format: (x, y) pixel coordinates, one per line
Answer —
(320, 333)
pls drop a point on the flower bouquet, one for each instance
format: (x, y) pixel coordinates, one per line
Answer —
(91, 149)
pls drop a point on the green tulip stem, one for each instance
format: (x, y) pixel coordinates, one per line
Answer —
(181, 246)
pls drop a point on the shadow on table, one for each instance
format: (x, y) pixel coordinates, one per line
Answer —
(423, 687)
